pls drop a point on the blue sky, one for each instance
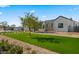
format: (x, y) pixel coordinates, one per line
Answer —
(11, 13)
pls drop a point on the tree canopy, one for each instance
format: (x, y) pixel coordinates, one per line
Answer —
(30, 21)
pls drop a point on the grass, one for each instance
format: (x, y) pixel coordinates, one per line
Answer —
(59, 44)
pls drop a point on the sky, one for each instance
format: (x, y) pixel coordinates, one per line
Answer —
(12, 13)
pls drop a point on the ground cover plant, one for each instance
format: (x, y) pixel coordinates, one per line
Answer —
(6, 48)
(59, 44)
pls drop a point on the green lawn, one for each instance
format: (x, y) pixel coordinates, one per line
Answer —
(65, 45)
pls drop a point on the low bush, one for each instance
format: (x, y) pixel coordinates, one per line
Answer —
(6, 48)
(33, 52)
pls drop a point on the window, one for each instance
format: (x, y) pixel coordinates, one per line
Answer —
(60, 25)
(46, 25)
(51, 25)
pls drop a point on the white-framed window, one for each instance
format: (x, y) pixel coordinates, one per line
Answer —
(60, 25)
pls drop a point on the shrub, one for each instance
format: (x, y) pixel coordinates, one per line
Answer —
(33, 52)
(16, 50)
(28, 48)
(5, 47)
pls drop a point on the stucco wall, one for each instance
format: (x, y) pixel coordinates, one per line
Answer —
(48, 25)
(66, 24)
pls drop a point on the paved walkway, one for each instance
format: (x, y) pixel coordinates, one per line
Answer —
(39, 50)
(66, 34)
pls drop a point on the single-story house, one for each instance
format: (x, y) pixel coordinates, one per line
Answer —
(61, 24)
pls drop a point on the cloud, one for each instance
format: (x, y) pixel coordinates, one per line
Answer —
(0, 13)
(3, 6)
(44, 16)
(74, 9)
(32, 11)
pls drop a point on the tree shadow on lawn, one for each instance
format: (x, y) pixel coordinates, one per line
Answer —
(47, 39)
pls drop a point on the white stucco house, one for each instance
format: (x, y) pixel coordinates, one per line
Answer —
(61, 24)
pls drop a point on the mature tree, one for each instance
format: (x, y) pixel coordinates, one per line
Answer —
(35, 23)
(4, 24)
(41, 24)
(23, 22)
(30, 21)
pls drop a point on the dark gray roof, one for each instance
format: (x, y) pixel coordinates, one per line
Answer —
(64, 17)
(59, 17)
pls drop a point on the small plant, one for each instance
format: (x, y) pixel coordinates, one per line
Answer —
(28, 48)
(16, 50)
(7, 48)
(33, 52)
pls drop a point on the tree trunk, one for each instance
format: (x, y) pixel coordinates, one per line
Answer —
(34, 29)
(29, 31)
(24, 29)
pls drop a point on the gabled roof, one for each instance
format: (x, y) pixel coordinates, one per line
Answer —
(64, 17)
(59, 17)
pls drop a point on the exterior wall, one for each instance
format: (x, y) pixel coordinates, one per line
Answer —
(68, 25)
(49, 25)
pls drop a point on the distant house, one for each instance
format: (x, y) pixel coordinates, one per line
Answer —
(61, 24)
(9, 28)
(18, 29)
